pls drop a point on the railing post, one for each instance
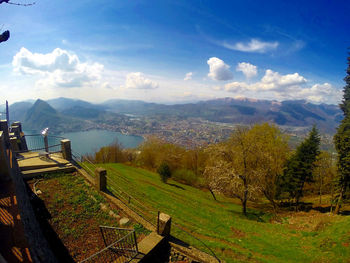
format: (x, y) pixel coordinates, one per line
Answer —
(101, 179)
(7, 112)
(164, 224)
(135, 242)
(66, 149)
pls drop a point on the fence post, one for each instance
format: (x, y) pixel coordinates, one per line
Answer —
(164, 224)
(101, 179)
(66, 149)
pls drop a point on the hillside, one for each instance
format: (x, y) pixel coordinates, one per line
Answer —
(297, 113)
(303, 237)
(42, 115)
(134, 116)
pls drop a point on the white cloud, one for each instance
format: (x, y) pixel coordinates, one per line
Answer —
(188, 76)
(57, 69)
(284, 87)
(236, 87)
(218, 70)
(247, 69)
(137, 80)
(319, 93)
(274, 81)
(254, 45)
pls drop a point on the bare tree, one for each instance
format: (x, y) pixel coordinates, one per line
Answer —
(247, 165)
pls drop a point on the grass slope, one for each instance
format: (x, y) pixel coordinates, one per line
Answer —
(222, 227)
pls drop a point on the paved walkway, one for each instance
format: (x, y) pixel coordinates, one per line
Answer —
(13, 245)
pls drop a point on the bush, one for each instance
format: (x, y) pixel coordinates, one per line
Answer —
(164, 172)
(185, 176)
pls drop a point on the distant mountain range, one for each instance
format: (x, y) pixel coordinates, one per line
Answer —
(63, 113)
(298, 113)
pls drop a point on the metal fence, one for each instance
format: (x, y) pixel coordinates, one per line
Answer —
(138, 206)
(121, 246)
(38, 142)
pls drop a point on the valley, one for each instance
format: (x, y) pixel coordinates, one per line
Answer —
(189, 125)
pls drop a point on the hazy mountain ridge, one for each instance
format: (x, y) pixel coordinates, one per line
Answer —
(67, 112)
(42, 115)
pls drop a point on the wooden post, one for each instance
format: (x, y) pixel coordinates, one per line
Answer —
(101, 179)
(164, 224)
(66, 149)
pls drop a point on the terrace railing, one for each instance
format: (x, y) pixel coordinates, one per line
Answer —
(121, 246)
(38, 142)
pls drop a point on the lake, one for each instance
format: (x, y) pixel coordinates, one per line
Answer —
(85, 142)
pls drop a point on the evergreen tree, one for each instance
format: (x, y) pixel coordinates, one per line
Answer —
(342, 145)
(164, 172)
(300, 166)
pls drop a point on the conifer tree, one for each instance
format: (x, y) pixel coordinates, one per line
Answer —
(342, 144)
(300, 166)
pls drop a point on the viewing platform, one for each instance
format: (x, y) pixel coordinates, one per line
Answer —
(32, 164)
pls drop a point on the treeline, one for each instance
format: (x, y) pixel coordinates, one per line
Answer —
(255, 162)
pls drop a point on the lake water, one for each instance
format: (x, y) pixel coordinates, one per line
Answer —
(85, 142)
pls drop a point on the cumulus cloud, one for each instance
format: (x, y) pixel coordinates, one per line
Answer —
(137, 80)
(254, 45)
(218, 70)
(274, 81)
(58, 68)
(236, 87)
(247, 69)
(283, 87)
(319, 93)
(188, 76)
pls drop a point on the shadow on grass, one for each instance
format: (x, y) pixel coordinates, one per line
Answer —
(308, 206)
(254, 215)
(178, 241)
(177, 186)
(43, 215)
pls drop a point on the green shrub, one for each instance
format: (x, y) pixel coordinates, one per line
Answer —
(185, 176)
(164, 172)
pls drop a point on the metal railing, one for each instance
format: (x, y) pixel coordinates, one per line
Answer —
(38, 142)
(148, 213)
(121, 246)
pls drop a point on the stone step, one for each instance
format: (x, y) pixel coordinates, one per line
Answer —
(29, 174)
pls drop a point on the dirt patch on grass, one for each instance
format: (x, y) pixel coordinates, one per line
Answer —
(237, 233)
(310, 221)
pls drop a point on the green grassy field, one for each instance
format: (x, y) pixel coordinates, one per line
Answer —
(308, 237)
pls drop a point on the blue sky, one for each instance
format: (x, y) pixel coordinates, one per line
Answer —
(175, 51)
